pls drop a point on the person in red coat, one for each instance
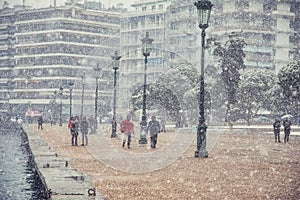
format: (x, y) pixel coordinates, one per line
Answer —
(127, 128)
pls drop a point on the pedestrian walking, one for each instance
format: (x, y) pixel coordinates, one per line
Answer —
(40, 122)
(84, 128)
(73, 125)
(154, 129)
(276, 128)
(51, 119)
(287, 129)
(127, 128)
(163, 125)
(92, 124)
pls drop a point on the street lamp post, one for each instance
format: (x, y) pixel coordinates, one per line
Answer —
(97, 70)
(116, 61)
(204, 9)
(60, 107)
(146, 41)
(54, 109)
(82, 94)
(71, 90)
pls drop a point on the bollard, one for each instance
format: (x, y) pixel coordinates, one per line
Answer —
(92, 192)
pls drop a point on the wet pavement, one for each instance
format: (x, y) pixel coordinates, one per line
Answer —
(66, 182)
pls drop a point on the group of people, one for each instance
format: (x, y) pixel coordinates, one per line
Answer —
(127, 129)
(75, 125)
(287, 129)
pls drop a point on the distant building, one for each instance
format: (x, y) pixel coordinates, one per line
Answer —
(286, 14)
(266, 27)
(148, 16)
(270, 29)
(183, 36)
(45, 49)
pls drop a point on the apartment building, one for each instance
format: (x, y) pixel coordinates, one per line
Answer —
(183, 37)
(148, 16)
(7, 52)
(266, 27)
(287, 32)
(43, 49)
(270, 29)
(53, 47)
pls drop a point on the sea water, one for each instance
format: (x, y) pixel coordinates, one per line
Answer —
(18, 177)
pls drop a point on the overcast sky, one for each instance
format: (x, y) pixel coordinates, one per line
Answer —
(46, 3)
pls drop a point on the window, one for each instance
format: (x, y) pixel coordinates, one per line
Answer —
(268, 6)
(172, 55)
(173, 25)
(243, 5)
(157, 20)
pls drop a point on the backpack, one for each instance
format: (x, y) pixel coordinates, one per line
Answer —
(73, 126)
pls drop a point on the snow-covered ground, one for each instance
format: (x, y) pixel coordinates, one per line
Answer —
(295, 129)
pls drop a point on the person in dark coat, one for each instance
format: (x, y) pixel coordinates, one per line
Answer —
(287, 129)
(84, 128)
(276, 128)
(154, 129)
(40, 122)
(73, 125)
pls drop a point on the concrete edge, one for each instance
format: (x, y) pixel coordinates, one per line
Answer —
(52, 180)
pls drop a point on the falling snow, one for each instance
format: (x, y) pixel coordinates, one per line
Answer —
(252, 77)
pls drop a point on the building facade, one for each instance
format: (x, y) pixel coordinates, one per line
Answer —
(148, 16)
(270, 29)
(7, 52)
(53, 47)
(266, 26)
(45, 49)
(287, 23)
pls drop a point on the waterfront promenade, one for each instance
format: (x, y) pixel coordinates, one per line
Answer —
(243, 163)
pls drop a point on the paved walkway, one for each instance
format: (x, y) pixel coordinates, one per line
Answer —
(52, 146)
(171, 146)
(66, 182)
